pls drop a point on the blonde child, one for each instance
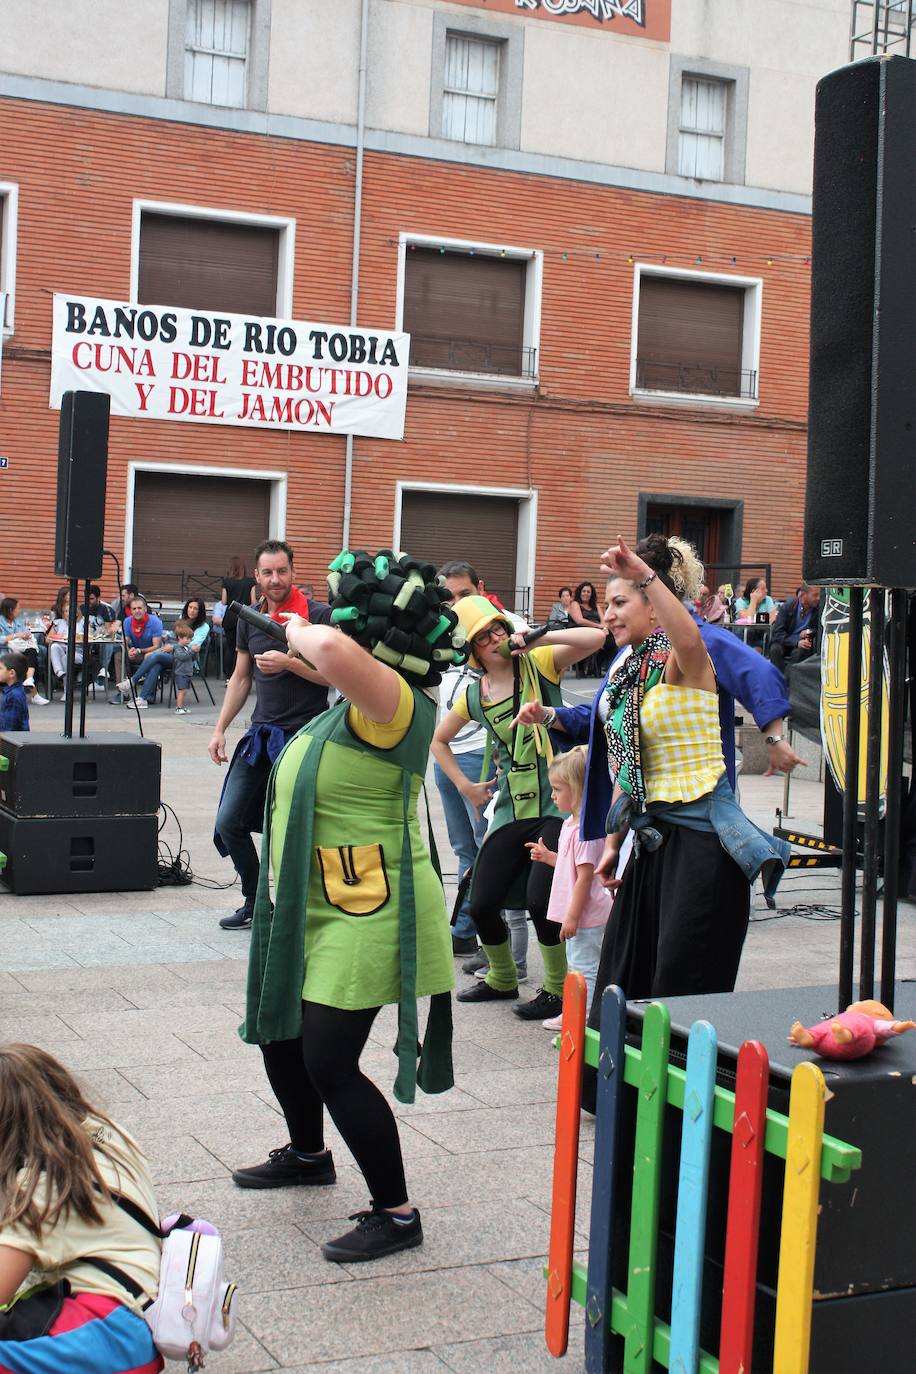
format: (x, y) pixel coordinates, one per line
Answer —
(578, 900)
(63, 1164)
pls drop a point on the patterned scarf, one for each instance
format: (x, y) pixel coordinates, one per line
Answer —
(626, 688)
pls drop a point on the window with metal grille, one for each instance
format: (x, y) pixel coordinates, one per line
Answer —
(469, 105)
(216, 52)
(205, 264)
(701, 142)
(691, 337)
(466, 312)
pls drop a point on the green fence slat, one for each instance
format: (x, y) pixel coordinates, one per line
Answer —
(651, 1094)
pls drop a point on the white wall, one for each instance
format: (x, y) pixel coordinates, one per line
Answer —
(314, 54)
(116, 44)
(594, 97)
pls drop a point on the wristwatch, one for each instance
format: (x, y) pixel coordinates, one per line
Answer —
(775, 739)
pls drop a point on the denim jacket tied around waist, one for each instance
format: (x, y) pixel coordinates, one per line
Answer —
(753, 850)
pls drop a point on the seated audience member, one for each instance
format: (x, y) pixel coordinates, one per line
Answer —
(14, 706)
(755, 601)
(67, 1168)
(710, 607)
(794, 634)
(57, 635)
(143, 637)
(121, 608)
(103, 622)
(559, 611)
(584, 610)
(17, 637)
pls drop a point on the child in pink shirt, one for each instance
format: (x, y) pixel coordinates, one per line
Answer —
(578, 900)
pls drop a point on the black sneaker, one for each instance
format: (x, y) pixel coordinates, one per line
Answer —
(240, 919)
(463, 944)
(480, 991)
(543, 1005)
(478, 960)
(375, 1235)
(285, 1168)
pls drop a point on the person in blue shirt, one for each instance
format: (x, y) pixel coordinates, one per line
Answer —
(143, 637)
(794, 634)
(14, 706)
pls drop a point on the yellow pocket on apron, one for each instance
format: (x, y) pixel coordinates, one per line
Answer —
(354, 878)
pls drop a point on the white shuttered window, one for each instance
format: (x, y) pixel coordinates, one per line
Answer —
(471, 89)
(701, 151)
(216, 52)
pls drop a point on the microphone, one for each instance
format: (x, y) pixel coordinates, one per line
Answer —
(258, 621)
(263, 622)
(531, 636)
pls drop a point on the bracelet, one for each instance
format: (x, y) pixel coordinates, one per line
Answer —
(641, 586)
(550, 717)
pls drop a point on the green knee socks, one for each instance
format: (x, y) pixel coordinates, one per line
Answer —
(503, 975)
(554, 957)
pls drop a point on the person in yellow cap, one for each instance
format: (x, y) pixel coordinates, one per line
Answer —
(504, 874)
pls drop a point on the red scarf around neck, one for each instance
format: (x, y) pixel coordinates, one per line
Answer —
(137, 626)
(295, 604)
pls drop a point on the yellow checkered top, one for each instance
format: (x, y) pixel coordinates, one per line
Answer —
(681, 741)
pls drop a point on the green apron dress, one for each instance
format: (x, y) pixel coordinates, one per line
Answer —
(359, 916)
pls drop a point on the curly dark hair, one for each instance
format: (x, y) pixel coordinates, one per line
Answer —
(397, 607)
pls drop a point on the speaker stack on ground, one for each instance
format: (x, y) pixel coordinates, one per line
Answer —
(78, 815)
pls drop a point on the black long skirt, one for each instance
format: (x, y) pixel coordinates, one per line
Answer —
(678, 923)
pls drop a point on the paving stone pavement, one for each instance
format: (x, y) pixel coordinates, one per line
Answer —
(141, 994)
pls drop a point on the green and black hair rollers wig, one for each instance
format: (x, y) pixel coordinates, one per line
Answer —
(396, 607)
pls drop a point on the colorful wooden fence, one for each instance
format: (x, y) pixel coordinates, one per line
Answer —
(755, 1129)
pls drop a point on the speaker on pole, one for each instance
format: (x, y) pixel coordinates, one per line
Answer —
(82, 470)
(859, 526)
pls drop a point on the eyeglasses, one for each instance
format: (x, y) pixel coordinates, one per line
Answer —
(496, 631)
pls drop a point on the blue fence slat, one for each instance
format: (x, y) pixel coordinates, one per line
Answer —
(604, 1176)
(692, 1191)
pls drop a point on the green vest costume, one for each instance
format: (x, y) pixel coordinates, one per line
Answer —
(359, 917)
(523, 788)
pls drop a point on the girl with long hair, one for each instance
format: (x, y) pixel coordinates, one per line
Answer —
(64, 1165)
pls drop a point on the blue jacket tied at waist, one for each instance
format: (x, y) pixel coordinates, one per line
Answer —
(753, 850)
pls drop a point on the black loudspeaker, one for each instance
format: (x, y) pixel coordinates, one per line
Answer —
(859, 526)
(82, 469)
(104, 775)
(78, 854)
(865, 1265)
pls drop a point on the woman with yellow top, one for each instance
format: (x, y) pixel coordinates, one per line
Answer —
(681, 914)
(504, 875)
(358, 916)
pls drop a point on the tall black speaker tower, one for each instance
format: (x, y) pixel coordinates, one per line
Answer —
(859, 526)
(82, 470)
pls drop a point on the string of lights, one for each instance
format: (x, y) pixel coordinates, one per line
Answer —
(618, 255)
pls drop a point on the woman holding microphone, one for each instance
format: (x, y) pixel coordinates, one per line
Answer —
(504, 875)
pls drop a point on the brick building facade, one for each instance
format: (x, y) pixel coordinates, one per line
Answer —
(578, 443)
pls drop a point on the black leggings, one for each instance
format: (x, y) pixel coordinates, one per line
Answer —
(501, 861)
(322, 1069)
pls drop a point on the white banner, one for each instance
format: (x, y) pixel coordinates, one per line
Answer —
(213, 369)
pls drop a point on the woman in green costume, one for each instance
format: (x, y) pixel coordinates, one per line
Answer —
(504, 875)
(358, 917)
